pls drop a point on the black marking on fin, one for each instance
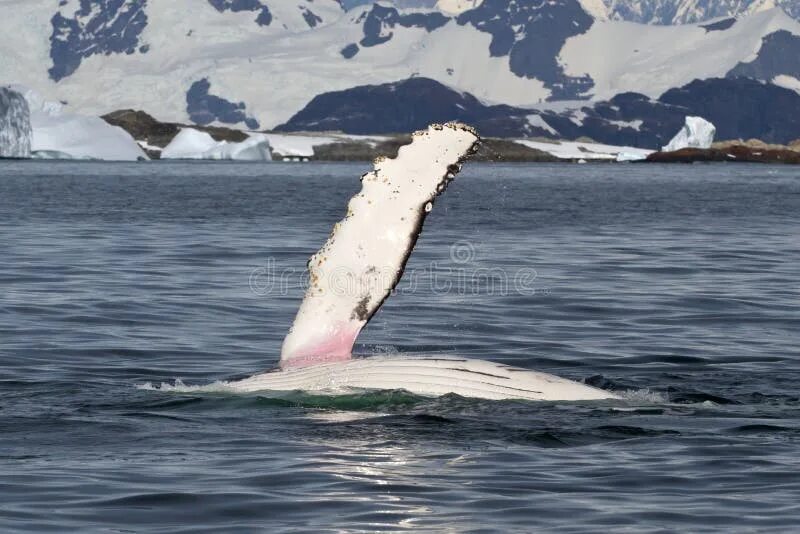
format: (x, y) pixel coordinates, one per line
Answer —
(361, 312)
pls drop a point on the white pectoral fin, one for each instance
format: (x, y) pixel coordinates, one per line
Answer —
(363, 259)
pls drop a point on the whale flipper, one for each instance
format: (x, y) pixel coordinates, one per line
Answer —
(363, 260)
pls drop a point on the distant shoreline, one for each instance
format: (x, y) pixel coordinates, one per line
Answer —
(153, 135)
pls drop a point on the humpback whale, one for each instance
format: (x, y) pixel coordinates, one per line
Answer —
(357, 269)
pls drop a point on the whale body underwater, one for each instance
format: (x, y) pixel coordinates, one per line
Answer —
(355, 272)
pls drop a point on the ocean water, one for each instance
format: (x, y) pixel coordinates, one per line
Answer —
(123, 287)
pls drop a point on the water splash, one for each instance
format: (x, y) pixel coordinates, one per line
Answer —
(644, 395)
(178, 386)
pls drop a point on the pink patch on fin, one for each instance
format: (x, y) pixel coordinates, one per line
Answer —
(337, 348)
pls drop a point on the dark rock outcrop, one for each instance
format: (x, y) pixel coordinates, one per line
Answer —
(145, 128)
(733, 154)
(405, 106)
(720, 25)
(264, 17)
(779, 54)
(359, 150)
(379, 22)
(96, 27)
(738, 107)
(204, 108)
(741, 108)
(489, 150)
(504, 150)
(532, 35)
(629, 119)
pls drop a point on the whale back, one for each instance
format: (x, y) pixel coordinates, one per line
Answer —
(426, 375)
(362, 261)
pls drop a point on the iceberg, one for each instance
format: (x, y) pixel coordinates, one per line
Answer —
(256, 148)
(61, 135)
(15, 125)
(189, 144)
(82, 137)
(696, 133)
(194, 144)
(624, 157)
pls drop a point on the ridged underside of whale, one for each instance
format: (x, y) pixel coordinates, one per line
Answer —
(423, 375)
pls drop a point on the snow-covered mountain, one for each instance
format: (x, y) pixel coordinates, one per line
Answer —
(741, 108)
(692, 11)
(256, 63)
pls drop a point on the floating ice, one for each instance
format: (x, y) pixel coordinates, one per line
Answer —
(61, 135)
(194, 144)
(630, 156)
(696, 133)
(188, 144)
(83, 137)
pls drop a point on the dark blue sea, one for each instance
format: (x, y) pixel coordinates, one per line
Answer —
(125, 286)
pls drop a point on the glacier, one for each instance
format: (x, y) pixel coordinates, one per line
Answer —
(696, 133)
(194, 144)
(15, 125)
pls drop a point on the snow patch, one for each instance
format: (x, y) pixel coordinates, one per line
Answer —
(455, 7)
(634, 125)
(577, 117)
(302, 146)
(148, 147)
(596, 8)
(625, 56)
(787, 82)
(537, 121)
(574, 150)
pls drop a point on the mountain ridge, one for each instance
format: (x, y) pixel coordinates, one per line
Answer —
(254, 64)
(672, 12)
(629, 119)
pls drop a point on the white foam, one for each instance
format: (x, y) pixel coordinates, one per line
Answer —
(644, 395)
(179, 387)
